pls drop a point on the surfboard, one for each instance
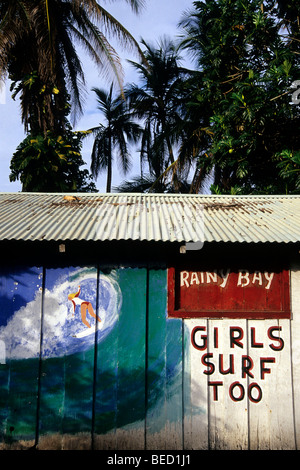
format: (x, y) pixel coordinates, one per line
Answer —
(88, 332)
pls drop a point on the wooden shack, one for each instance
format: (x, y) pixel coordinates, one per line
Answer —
(139, 322)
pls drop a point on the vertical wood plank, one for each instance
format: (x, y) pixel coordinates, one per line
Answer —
(228, 425)
(20, 320)
(295, 334)
(271, 419)
(120, 379)
(164, 374)
(195, 388)
(156, 362)
(106, 378)
(53, 367)
(174, 385)
(130, 419)
(67, 361)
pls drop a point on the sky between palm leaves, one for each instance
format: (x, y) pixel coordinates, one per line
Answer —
(159, 18)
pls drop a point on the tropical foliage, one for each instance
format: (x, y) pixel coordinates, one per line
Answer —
(51, 163)
(230, 120)
(159, 102)
(39, 53)
(247, 54)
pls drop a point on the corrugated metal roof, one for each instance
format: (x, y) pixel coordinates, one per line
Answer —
(158, 217)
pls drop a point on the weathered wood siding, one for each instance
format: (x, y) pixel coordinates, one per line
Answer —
(138, 381)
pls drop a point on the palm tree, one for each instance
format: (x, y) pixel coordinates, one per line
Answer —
(38, 45)
(120, 130)
(158, 101)
(247, 54)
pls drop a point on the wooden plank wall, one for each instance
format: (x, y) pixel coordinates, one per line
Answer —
(138, 381)
(229, 420)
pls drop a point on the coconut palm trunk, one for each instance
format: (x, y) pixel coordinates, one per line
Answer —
(38, 50)
(112, 139)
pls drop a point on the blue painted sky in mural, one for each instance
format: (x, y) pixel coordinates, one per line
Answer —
(17, 288)
(60, 326)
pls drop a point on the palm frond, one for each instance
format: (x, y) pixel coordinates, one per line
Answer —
(100, 50)
(51, 31)
(136, 5)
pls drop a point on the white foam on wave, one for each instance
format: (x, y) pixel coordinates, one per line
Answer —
(22, 334)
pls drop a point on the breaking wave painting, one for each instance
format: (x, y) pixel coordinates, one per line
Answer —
(65, 304)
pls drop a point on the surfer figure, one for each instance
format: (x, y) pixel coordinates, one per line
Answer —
(84, 307)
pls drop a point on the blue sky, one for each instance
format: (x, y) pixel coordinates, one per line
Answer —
(158, 19)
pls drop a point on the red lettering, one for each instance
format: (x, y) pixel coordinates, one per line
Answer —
(203, 346)
(230, 370)
(210, 366)
(215, 386)
(280, 346)
(236, 340)
(247, 365)
(242, 391)
(253, 342)
(250, 388)
(216, 338)
(263, 369)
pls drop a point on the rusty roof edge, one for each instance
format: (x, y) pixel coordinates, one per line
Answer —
(149, 217)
